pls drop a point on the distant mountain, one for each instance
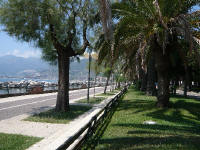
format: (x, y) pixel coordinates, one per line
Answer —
(10, 65)
(36, 68)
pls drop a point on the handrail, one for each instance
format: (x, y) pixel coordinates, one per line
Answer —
(91, 125)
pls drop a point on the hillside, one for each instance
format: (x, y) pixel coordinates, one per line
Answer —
(13, 66)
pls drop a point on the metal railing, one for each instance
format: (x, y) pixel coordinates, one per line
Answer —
(90, 128)
(23, 90)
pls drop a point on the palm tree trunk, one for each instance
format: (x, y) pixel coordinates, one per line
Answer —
(163, 90)
(62, 103)
(186, 84)
(118, 85)
(151, 77)
(162, 65)
(143, 81)
(176, 85)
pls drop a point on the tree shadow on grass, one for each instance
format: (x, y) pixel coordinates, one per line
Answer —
(177, 127)
(139, 93)
(159, 127)
(192, 107)
(142, 104)
(40, 109)
(92, 141)
(143, 132)
(92, 100)
(51, 116)
(140, 143)
(109, 94)
(75, 111)
(176, 116)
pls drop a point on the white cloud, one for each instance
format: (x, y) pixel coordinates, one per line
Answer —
(25, 54)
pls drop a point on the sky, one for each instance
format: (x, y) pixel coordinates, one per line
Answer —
(11, 46)
(195, 8)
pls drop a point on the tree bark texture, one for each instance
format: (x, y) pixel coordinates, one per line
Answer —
(186, 82)
(64, 54)
(62, 103)
(142, 74)
(143, 80)
(151, 76)
(118, 85)
(162, 66)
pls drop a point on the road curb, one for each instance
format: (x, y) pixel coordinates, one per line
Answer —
(56, 140)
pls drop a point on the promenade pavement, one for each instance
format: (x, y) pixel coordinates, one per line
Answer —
(30, 104)
(53, 134)
(189, 94)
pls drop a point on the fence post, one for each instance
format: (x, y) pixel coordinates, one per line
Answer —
(92, 125)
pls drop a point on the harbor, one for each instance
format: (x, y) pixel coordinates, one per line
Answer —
(38, 87)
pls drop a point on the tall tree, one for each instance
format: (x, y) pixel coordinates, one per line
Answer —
(54, 26)
(165, 23)
(107, 24)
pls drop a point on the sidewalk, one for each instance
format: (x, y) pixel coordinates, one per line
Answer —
(54, 134)
(16, 125)
(53, 141)
(189, 94)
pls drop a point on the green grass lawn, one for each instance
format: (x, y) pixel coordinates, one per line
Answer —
(108, 93)
(177, 127)
(52, 116)
(16, 142)
(92, 100)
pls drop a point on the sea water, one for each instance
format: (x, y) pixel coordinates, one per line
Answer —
(23, 90)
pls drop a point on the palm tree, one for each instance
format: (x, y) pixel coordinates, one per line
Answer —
(160, 25)
(151, 76)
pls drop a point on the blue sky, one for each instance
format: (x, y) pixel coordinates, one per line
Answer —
(10, 46)
(195, 8)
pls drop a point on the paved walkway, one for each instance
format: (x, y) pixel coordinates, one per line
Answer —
(16, 125)
(58, 138)
(54, 134)
(15, 106)
(189, 94)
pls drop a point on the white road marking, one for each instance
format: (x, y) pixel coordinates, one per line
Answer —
(27, 97)
(38, 102)
(34, 103)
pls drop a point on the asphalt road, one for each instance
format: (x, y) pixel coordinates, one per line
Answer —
(35, 105)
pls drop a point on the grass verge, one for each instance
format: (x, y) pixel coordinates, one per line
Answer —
(92, 100)
(175, 128)
(16, 142)
(92, 140)
(108, 93)
(51, 116)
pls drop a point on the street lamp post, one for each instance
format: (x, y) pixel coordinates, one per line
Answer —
(88, 93)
